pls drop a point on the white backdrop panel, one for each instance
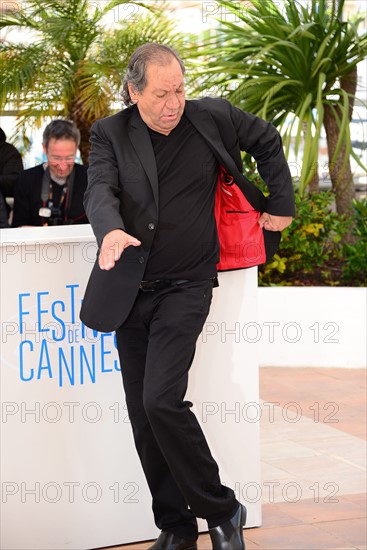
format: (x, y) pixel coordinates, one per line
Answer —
(70, 477)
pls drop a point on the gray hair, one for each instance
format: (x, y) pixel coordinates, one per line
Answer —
(137, 66)
(61, 129)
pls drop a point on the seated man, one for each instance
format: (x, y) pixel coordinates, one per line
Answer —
(52, 193)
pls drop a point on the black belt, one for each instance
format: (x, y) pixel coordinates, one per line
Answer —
(161, 283)
(165, 283)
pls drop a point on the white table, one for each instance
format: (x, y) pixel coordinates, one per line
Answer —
(70, 476)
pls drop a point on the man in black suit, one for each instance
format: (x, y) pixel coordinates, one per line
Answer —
(52, 193)
(152, 186)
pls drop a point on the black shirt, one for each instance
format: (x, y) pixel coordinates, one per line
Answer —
(186, 243)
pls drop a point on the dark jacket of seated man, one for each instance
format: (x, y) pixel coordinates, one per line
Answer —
(62, 205)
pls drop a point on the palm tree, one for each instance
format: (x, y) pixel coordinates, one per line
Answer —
(71, 62)
(293, 64)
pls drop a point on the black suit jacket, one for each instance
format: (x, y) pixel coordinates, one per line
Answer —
(123, 190)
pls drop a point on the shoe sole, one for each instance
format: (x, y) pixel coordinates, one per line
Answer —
(195, 547)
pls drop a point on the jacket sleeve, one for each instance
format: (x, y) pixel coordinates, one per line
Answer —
(263, 142)
(102, 197)
(11, 167)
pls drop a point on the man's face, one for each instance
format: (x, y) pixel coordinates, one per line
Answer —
(162, 102)
(61, 156)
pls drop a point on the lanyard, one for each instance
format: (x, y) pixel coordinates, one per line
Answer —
(47, 195)
(50, 196)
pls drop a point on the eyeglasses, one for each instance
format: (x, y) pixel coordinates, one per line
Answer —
(58, 160)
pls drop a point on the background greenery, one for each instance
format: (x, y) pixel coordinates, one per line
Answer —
(294, 64)
(71, 62)
(313, 251)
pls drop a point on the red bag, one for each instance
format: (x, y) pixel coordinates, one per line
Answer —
(240, 236)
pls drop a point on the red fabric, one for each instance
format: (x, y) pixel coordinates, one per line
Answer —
(240, 236)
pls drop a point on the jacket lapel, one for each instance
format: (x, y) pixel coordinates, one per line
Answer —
(205, 125)
(139, 137)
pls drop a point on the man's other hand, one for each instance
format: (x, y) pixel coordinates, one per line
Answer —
(113, 245)
(274, 223)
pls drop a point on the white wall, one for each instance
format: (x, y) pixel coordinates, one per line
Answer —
(311, 327)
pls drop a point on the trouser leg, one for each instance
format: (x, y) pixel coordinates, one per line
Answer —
(170, 509)
(174, 318)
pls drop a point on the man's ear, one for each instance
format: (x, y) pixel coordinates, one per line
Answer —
(133, 93)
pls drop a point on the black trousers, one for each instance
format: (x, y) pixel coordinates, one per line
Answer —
(156, 346)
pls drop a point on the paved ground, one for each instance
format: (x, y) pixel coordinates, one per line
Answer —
(313, 444)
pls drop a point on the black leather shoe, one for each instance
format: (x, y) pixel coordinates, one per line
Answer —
(229, 535)
(169, 541)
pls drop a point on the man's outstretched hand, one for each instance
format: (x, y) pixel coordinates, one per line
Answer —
(113, 245)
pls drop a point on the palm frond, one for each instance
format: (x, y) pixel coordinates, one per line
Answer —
(284, 61)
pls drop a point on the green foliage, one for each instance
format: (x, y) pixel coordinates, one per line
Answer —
(355, 253)
(69, 60)
(285, 61)
(311, 250)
